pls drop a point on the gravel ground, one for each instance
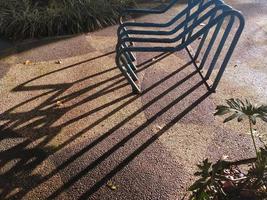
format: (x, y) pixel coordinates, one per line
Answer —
(70, 124)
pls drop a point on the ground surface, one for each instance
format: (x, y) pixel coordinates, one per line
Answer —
(67, 129)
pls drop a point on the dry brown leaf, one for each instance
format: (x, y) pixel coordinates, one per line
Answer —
(27, 62)
(59, 103)
(111, 185)
(158, 127)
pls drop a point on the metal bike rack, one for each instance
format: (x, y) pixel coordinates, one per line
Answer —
(194, 23)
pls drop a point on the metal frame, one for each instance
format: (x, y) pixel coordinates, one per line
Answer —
(216, 12)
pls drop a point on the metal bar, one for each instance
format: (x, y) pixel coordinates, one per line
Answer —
(128, 67)
(192, 20)
(187, 19)
(220, 47)
(199, 8)
(180, 36)
(229, 53)
(203, 39)
(198, 70)
(157, 25)
(151, 11)
(182, 46)
(181, 25)
(123, 70)
(130, 57)
(211, 43)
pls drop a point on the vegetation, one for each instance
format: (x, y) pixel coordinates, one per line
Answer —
(228, 180)
(240, 110)
(37, 18)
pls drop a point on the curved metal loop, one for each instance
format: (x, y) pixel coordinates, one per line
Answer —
(187, 36)
(175, 30)
(193, 16)
(147, 11)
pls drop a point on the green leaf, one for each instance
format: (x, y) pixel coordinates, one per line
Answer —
(222, 111)
(198, 184)
(233, 116)
(204, 196)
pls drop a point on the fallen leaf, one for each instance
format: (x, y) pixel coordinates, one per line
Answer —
(224, 157)
(27, 62)
(158, 127)
(59, 103)
(111, 185)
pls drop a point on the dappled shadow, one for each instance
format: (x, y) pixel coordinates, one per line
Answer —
(41, 123)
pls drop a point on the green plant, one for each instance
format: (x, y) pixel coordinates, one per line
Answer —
(21, 19)
(225, 181)
(241, 110)
(259, 171)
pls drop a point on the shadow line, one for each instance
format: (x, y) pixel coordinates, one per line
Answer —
(126, 139)
(44, 122)
(150, 141)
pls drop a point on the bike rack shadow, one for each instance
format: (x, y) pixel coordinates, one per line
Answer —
(48, 114)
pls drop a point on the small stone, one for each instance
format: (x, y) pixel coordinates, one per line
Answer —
(202, 24)
(58, 62)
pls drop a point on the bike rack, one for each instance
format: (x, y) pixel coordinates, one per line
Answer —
(209, 23)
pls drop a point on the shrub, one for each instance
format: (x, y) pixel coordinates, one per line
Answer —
(21, 19)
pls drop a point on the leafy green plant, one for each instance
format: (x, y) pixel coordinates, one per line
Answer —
(21, 19)
(240, 110)
(206, 186)
(224, 180)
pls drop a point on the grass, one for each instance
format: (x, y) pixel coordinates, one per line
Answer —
(20, 19)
